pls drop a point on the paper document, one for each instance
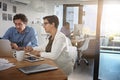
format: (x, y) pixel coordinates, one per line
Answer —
(5, 64)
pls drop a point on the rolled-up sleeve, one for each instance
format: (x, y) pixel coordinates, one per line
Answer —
(34, 38)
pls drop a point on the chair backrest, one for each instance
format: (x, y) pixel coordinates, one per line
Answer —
(85, 44)
(91, 50)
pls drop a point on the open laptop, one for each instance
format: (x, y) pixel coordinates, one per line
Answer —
(37, 68)
(5, 48)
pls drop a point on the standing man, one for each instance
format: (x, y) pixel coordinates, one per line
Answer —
(21, 35)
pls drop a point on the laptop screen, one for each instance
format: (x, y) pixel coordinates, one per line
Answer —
(5, 48)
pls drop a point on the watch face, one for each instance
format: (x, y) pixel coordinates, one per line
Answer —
(20, 44)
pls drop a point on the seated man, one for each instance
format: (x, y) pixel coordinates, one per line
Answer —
(66, 29)
(21, 35)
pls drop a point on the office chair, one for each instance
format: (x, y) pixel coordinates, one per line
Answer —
(81, 49)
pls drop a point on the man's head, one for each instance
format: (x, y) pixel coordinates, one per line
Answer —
(20, 21)
(66, 25)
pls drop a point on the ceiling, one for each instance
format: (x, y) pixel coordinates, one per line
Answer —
(56, 1)
(63, 1)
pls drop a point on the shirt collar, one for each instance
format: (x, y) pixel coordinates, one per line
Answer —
(25, 31)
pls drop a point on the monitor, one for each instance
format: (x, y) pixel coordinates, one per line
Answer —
(77, 29)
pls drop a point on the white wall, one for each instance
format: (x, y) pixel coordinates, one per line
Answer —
(59, 12)
(90, 18)
(4, 25)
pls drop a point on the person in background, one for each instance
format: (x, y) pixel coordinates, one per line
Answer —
(66, 29)
(56, 47)
(21, 35)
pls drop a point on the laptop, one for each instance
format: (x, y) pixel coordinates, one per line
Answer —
(37, 68)
(5, 48)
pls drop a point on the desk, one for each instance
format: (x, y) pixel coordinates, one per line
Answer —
(110, 48)
(116, 43)
(14, 74)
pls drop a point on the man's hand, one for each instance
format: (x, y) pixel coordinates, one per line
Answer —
(14, 46)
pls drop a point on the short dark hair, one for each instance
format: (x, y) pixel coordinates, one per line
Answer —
(52, 19)
(66, 23)
(20, 16)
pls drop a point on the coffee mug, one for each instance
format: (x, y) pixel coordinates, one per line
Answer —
(19, 55)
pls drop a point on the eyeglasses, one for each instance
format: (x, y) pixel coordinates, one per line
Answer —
(44, 24)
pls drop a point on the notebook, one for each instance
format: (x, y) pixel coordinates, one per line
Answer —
(5, 48)
(37, 68)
